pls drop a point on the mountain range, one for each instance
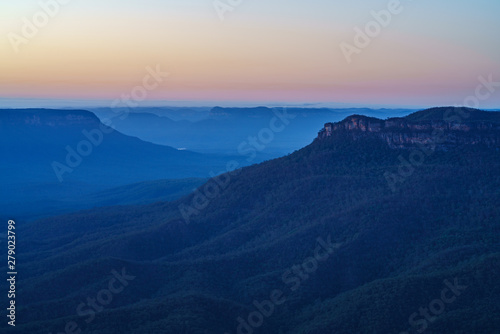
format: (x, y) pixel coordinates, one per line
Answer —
(54, 156)
(227, 130)
(368, 229)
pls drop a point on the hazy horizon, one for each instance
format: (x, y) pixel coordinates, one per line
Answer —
(14, 103)
(19, 103)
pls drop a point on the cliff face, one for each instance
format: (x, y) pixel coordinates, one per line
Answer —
(48, 118)
(404, 133)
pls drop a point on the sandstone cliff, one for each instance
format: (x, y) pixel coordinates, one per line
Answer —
(440, 127)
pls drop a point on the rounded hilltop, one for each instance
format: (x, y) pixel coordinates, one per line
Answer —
(454, 114)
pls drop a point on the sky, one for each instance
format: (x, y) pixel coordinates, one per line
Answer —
(425, 53)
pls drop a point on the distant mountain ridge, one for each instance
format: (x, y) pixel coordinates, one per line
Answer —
(440, 127)
(221, 130)
(47, 117)
(49, 156)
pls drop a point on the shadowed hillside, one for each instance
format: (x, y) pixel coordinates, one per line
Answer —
(53, 156)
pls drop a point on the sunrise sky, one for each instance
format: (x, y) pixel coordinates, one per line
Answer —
(269, 51)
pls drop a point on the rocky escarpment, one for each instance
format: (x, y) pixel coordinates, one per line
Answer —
(47, 118)
(459, 126)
